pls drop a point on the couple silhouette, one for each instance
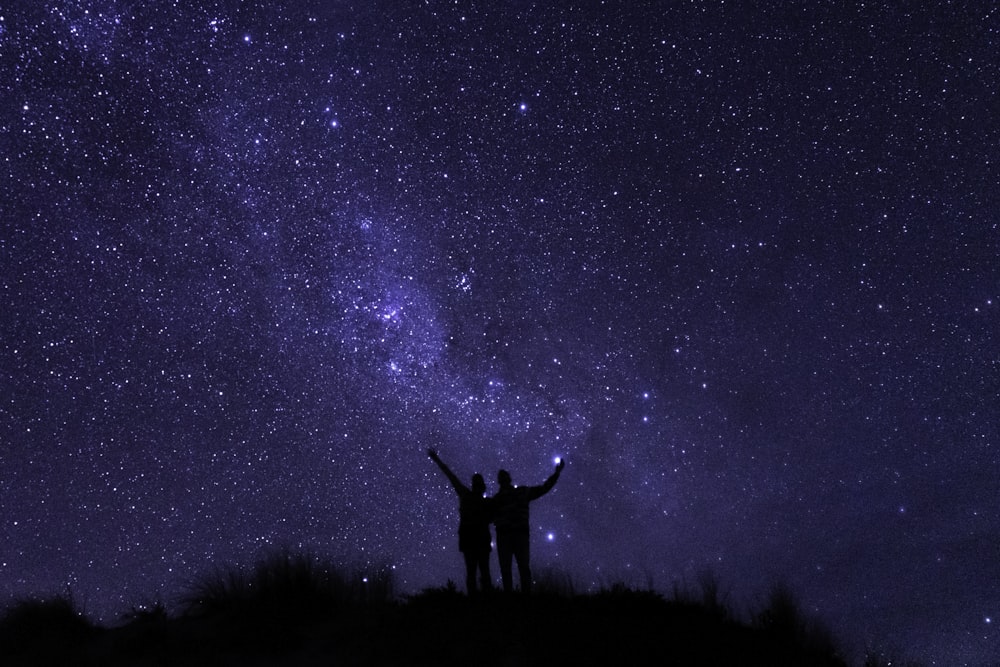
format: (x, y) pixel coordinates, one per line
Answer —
(508, 511)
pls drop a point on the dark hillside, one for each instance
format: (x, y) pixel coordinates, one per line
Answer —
(438, 627)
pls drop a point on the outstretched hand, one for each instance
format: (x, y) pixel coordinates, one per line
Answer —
(433, 454)
(560, 465)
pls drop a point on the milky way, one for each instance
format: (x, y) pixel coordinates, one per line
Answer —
(736, 262)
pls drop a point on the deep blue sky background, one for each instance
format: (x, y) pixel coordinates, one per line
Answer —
(737, 262)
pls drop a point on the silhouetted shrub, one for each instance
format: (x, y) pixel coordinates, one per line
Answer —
(437, 593)
(784, 620)
(624, 594)
(782, 615)
(708, 596)
(51, 625)
(146, 614)
(550, 581)
(286, 583)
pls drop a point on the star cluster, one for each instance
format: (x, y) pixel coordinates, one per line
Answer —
(735, 262)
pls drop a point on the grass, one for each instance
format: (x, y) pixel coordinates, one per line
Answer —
(297, 609)
(287, 583)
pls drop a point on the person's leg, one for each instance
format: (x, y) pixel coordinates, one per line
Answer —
(470, 572)
(523, 556)
(504, 556)
(485, 580)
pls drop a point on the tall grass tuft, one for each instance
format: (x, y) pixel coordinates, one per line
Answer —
(784, 619)
(708, 595)
(286, 583)
(553, 582)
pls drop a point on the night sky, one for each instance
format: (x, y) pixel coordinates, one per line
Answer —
(735, 261)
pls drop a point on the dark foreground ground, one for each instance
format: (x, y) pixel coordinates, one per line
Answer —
(437, 627)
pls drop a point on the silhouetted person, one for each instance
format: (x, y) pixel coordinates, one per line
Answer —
(474, 516)
(511, 519)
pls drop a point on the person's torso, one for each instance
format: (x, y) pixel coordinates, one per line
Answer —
(511, 510)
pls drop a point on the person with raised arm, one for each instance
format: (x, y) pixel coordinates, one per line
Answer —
(512, 524)
(474, 516)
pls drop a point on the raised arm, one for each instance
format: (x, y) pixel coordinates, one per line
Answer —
(455, 482)
(539, 491)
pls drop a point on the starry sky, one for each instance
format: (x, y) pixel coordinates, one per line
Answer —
(736, 262)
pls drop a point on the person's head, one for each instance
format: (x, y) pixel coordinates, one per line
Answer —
(478, 484)
(503, 478)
